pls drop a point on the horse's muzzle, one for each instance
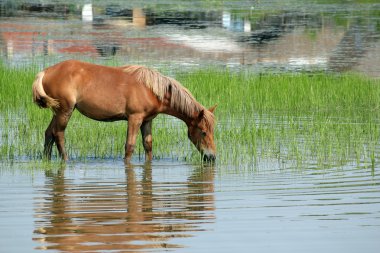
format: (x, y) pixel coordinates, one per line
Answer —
(209, 158)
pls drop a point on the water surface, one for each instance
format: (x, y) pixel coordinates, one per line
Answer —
(258, 35)
(103, 206)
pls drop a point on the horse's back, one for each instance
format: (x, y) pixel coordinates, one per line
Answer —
(73, 74)
(99, 92)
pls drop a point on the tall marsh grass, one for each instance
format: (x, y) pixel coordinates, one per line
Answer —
(323, 119)
(320, 118)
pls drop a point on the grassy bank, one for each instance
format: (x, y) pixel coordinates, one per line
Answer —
(319, 119)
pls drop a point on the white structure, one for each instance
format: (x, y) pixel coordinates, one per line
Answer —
(87, 14)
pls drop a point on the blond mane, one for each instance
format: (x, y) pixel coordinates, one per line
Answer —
(181, 98)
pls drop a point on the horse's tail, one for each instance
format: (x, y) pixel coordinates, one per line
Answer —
(39, 95)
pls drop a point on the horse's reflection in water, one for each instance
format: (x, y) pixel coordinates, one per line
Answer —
(135, 214)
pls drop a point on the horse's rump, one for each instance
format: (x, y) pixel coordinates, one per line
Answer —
(39, 95)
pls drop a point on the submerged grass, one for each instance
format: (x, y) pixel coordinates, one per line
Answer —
(319, 118)
(323, 119)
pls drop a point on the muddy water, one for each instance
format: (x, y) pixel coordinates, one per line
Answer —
(271, 35)
(105, 206)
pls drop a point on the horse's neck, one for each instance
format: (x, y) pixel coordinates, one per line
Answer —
(175, 113)
(180, 114)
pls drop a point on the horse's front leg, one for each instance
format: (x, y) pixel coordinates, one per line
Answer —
(134, 123)
(146, 132)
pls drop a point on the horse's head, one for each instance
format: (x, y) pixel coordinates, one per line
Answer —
(201, 133)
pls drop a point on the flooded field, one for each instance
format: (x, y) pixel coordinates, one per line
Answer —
(258, 35)
(297, 167)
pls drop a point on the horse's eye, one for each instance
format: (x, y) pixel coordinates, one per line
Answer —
(203, 133)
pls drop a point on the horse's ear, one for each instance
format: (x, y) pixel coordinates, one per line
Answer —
(212, 109)
(201, 115)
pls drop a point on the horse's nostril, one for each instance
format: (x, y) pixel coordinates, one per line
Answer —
(209, 158)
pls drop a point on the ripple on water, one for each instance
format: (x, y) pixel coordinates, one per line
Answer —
(100, 207)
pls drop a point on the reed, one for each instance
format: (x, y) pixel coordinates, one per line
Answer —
(320, 119)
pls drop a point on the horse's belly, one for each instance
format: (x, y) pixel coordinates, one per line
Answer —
(103, 111)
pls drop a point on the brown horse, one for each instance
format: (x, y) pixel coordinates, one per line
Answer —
(133, 93)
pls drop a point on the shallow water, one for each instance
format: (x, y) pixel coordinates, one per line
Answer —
(257, 35)
(103, 206)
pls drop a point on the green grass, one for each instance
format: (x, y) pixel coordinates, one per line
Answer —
(320, 119)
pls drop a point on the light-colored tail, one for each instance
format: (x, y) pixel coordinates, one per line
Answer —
(39, 95)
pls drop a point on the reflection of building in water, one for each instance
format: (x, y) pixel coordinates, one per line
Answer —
(139, 18)
(92, 38)
(138, 213)
(358, 49)
(87, 12)
(235, 24)
(296, 49)
(283, 40)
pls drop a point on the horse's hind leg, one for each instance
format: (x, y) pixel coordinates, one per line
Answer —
(49, 139)
(62, 118)
(146, 132)
(56, 133)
